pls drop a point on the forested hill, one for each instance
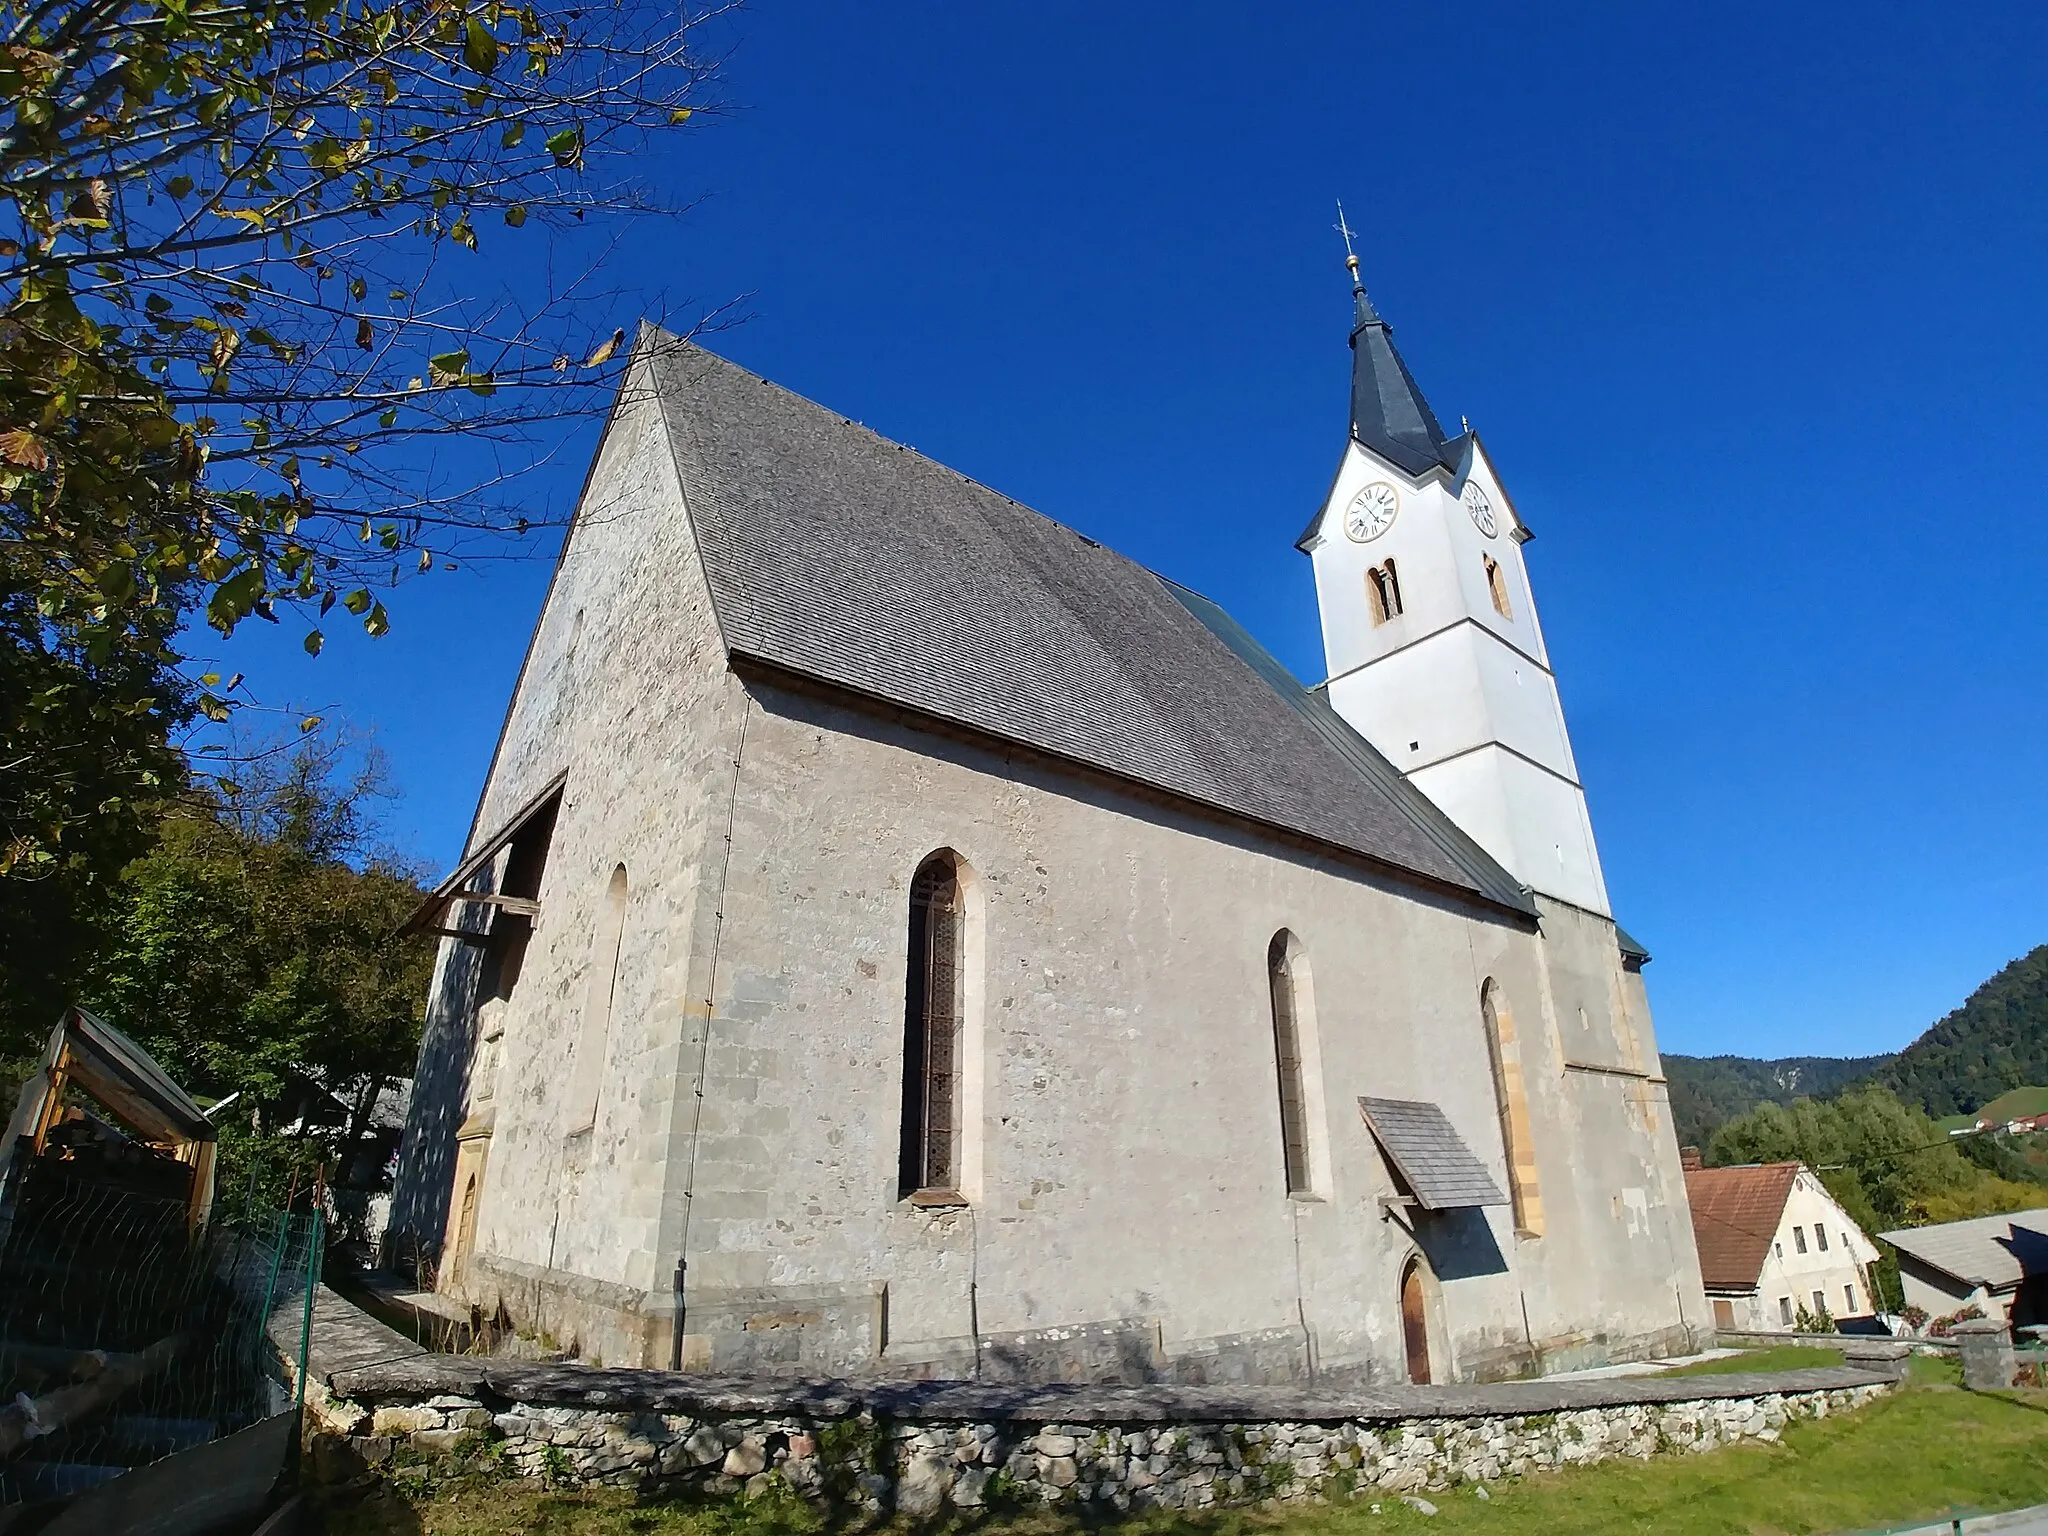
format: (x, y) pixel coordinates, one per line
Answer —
(1997, 1040)
(1709, 1091)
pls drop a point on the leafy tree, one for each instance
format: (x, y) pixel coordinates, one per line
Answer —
(1709, 1091)
(1909, 1171)
(244, 296)
(84, 767)
(253, 949)
(235, 320)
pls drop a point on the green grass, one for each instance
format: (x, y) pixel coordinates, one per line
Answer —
(1916, 1455)
(2013, 1104)
(1783, 1357)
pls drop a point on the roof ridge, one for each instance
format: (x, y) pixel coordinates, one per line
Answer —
(895, 577)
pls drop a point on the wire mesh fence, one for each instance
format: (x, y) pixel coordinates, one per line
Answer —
(127, 1337)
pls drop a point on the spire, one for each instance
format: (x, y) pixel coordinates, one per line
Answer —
(1388, 413)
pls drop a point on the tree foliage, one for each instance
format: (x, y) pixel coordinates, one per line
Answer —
(1886, 1162)
(1709, 1091)
(84, 769)
(253, 950)
(241, 303)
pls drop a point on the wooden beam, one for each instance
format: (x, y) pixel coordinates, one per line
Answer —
(524, 906)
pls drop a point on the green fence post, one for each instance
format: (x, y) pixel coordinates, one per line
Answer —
(315, 1236)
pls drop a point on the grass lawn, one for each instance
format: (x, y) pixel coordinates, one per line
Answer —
(1915, 1455)
(1784, 1357)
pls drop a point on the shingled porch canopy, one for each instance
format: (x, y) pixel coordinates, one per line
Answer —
(1428, 1156)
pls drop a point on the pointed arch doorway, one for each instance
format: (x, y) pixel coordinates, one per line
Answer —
(1415, 1322)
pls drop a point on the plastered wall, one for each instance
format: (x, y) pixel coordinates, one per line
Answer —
(1128, 1215)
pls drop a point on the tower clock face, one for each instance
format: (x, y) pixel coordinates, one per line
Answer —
(1481, 508)
(1371, 512)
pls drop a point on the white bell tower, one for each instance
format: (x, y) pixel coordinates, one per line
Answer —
(1430, 634)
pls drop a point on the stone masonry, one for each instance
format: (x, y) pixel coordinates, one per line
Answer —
(919, 1448)
(920, 1468)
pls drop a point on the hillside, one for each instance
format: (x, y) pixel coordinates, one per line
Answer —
(1709, 1091)
(1998, 1040)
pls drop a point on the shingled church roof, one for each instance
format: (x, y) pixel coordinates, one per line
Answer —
(854, 561)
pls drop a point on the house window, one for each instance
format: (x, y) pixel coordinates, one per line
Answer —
(595, 1033)
(1511, 1101)
(929, 1160)
(1820, 1236)
(1820, 1303)
(1799, 1238)
(1779, 1249)
(1785, 1310)
(1497, 587)
(1383, 590)
(1284, 988)
(1849, 1300)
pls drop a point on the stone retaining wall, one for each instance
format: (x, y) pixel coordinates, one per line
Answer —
(919, 1447)
(921, 1467)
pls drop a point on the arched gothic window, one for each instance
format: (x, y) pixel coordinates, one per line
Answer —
(1505, 1054)
(1383, 590)
(1497, 586)
(1287, 1032)
(934, 997)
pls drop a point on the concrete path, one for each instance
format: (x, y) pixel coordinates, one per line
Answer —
(2032, 1521)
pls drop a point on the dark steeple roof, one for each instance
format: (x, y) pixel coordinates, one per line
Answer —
(1388, 413)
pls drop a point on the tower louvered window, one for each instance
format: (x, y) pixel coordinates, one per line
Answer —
(1497, 587)
(1383, 590)
(930, 1162)
(1287, 1054)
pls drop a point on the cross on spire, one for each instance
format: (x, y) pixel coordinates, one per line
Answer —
(1361, 303)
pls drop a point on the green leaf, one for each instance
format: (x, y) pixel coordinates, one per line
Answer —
(388, 418)
(357, 288)
(448, 366)
(479, 48)
(314, 640)
(515, 215)
(376, 623)
(511, 136)
(357, 601)
(566, 146)
(178, 186)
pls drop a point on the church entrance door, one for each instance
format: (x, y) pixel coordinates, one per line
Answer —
(1415, 1323)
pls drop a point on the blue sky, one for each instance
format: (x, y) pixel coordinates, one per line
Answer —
(1746, 300)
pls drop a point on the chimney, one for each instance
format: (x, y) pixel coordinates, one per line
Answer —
(1689, 1159)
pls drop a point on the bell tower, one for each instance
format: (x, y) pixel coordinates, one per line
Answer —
(1430, 636)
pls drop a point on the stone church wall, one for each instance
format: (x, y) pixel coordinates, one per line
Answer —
(1127, 1216)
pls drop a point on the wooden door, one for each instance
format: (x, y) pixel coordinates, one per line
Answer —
(1415, 1324)
(1724, 1313)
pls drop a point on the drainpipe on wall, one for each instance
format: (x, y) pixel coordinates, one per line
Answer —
(675, 1353)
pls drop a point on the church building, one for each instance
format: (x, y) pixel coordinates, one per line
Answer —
(901, 937)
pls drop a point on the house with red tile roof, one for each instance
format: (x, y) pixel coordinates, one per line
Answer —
(1773, 1244)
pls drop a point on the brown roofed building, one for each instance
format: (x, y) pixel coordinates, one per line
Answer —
(1773, 1244)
